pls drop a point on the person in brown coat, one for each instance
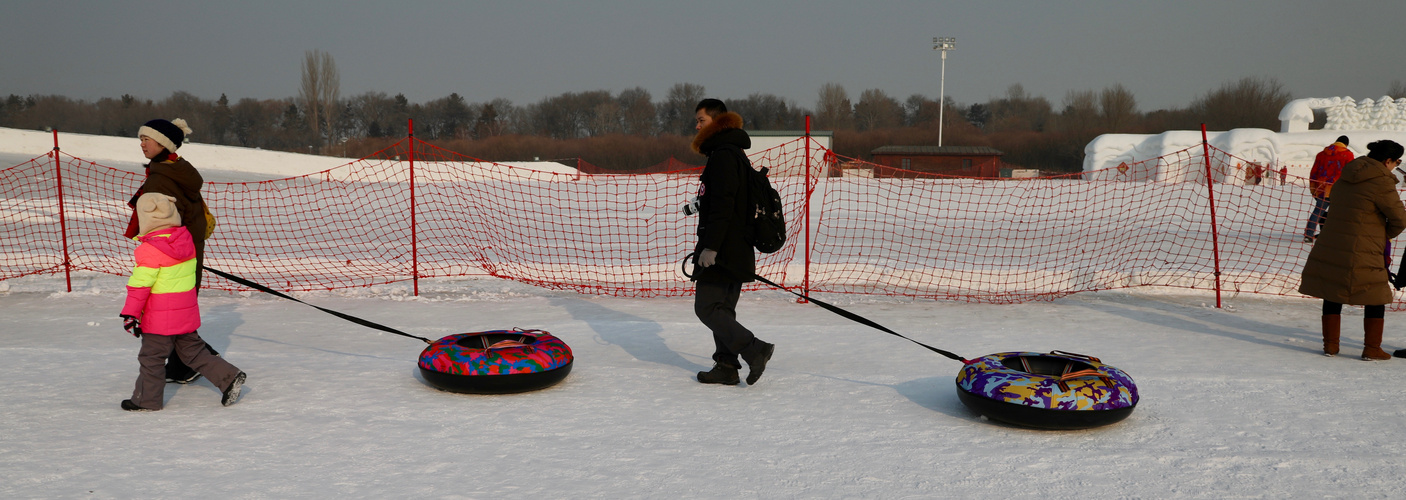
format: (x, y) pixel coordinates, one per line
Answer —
(1348, 262)
(173, 176)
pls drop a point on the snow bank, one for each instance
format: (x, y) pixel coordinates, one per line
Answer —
(119, 151)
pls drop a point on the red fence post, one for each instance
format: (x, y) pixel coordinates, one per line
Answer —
(63, 221)
(805, 274)
(414, 243)
(1211, 196)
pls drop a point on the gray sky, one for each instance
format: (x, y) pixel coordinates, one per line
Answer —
(1166, 52)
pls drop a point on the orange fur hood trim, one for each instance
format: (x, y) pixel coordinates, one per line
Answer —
(720, 123)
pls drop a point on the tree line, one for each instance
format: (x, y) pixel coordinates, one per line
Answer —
(629, 129)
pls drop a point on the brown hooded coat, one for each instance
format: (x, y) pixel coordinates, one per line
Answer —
(1348, 261)
(180, 180)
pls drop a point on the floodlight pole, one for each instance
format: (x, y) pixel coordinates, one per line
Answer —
(943, 44)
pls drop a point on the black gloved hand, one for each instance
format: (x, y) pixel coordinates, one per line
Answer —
(132, 325)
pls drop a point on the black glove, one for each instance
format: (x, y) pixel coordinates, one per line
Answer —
(132, 325)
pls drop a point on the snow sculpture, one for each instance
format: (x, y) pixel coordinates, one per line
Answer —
(1127, 156)
(1345, 113)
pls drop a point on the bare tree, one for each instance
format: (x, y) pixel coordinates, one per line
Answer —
(1118, 108)
(1397, 90)
(194, 110)
(919, 109)
(573, 115)
(605, 119)
(637, 112)
(1247, 103)
(1018, 111)
(372, 113)
(507, 118)
(876, 110)
(1080, 111)
(320, 91)
(492, 118)
(833, 109)
(677, 112)
(761, 111)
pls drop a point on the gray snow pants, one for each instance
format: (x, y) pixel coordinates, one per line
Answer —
(151, 380)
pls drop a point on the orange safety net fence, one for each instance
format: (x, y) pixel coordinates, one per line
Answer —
(1014, 240)
(388, 219)
(385, 219)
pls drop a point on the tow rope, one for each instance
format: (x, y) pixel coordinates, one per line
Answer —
(348, 317)
(848, 315)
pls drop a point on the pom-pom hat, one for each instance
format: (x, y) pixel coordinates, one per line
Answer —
(169, 134)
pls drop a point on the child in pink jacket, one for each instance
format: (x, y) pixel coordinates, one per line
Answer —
(162, 308)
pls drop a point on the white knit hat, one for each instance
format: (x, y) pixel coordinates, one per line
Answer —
(156, 211)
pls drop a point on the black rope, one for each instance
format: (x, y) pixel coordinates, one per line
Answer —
(348, 317)
(848, 315)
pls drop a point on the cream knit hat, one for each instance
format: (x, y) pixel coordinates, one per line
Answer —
(156, 211)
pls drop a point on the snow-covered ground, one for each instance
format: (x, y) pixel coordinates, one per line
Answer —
(1236, 402)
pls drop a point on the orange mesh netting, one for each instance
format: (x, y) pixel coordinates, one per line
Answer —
(386, 219)
(1010, 240)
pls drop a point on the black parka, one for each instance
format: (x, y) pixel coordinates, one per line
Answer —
(723, 206)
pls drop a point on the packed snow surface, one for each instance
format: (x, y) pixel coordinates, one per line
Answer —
(1236, 402)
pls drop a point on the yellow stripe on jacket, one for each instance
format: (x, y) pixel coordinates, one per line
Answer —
(169, 279)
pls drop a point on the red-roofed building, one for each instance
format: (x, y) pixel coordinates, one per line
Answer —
(963, 161)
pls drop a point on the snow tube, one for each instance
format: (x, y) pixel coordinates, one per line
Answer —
(1058, 390)
(496, 362)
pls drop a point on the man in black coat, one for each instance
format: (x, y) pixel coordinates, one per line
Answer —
(724, 258)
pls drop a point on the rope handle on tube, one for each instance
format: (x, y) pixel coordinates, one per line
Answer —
(846, 314)
(348, 317)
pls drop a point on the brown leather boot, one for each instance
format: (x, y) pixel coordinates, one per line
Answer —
(1332, 329)
(1372, 342)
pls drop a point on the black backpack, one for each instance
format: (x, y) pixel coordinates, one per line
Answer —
(766, 228)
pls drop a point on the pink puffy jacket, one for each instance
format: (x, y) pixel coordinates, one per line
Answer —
(161, 291)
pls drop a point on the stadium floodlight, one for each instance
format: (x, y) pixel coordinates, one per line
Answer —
(944, 44)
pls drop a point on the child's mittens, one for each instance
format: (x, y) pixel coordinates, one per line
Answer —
(132, 325)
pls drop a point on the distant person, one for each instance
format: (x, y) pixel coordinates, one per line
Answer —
(163, 310)
(1254, 174)
(1327, 166)
(723, 256)
(1348, 262)
(169, 174)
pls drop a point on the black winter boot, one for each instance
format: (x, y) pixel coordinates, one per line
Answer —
(756, 357)
(128, 405)
(720, 374)
(231, 394)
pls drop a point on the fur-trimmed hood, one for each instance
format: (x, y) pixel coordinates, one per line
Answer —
(712, 135)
